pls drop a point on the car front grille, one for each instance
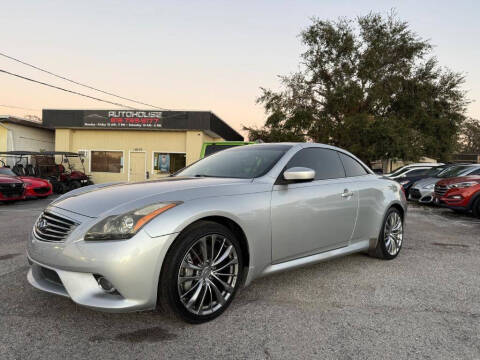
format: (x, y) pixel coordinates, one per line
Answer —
(51, 227)
(42, 190)
(440, 190)
(12, 190)
(415, 194)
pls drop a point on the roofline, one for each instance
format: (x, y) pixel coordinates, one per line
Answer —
(24, 122)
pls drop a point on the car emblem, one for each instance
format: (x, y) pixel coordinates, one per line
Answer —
(12, 185)
(42, 224)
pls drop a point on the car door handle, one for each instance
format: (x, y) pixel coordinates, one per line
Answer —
(347, 193)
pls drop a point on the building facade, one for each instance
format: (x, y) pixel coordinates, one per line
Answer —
(17, 134)
(135, 145)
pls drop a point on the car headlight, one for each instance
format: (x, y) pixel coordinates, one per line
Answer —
(124, 226)
(462, 185)
(429, 187)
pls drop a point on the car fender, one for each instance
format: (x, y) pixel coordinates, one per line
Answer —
(249, 211)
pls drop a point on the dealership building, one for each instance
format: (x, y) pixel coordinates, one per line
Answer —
(134, 145)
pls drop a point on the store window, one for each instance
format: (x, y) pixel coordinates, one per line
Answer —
(168, 163)
(107, 161)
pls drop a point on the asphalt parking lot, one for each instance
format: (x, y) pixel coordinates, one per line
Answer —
(424, 304)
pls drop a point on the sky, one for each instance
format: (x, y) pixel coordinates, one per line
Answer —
(196, 55)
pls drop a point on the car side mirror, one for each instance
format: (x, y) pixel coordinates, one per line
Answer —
(299, 174)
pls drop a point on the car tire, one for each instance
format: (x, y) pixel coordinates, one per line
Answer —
(476, 208)
(194, 285)
(390, 240)
(75, 184)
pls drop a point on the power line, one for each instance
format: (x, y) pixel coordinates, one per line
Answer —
(78, 83)
(66, 90)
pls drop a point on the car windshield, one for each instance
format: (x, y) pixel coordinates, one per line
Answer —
(243, 162)
(7, 171)
(454, 171)
(399, 171)
(433, 172)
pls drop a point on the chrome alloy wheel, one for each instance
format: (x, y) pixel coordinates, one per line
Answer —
(208, 274)
(393, 233)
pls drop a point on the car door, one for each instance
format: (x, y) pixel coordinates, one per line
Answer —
(315, 216)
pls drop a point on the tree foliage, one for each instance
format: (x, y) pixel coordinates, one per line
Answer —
(470, 137)
(368, 85)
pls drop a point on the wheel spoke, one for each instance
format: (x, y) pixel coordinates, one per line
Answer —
(191, 289)
(226, 286)
(203, 298)
(203, 248)
(230, 263)
(219, 251)
(189, 265)
(188, 278)
(194, 297)
(218, 294)
(224, 256)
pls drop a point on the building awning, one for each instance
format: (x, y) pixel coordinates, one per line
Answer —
(205, 121)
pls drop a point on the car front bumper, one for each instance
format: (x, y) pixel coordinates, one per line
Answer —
(71, 268)
(424, 196)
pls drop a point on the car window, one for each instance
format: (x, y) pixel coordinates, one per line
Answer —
(325, 162)
(352, 166)
(454, 171)
(476, 172)
(417, 172)
(7, 171)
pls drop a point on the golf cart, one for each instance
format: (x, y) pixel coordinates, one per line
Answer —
(64, 169)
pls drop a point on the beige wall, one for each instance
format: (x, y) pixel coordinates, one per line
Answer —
(186, 142)
(24, 138)
(3, 138)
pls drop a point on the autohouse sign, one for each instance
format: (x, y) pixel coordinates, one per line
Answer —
(123, 119)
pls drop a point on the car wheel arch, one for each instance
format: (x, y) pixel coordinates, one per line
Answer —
(233, 226)
(394, 205)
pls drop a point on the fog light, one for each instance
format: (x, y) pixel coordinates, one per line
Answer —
(456, 197)
(105, 285)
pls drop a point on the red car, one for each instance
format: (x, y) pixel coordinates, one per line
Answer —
(11, 188)
(34, 187)
(461, 194)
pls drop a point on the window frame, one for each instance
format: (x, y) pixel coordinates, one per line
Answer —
(281, 181)
(165, 152)
(106, 172)
(367, 170)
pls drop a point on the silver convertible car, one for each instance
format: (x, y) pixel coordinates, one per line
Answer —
(188, 242)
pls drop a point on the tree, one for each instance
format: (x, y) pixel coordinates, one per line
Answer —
(470, 137)
(367, 85)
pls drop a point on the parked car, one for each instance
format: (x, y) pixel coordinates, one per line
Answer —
(460, 194)
(406, 168)
(34, 187)
(188, 242)
(417, 174)
(423, 190)
(11, 188)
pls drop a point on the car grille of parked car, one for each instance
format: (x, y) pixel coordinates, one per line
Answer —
(440, 190)
(42, 190)
(50, 227)
(415, 194)
(11, 190)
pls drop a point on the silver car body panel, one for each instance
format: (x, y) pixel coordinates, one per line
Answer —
(330, 220)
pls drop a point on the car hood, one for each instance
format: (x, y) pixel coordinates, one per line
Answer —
(119, 197)
(459, 180)
(424, 182)
(34, 181)
(5, 179)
